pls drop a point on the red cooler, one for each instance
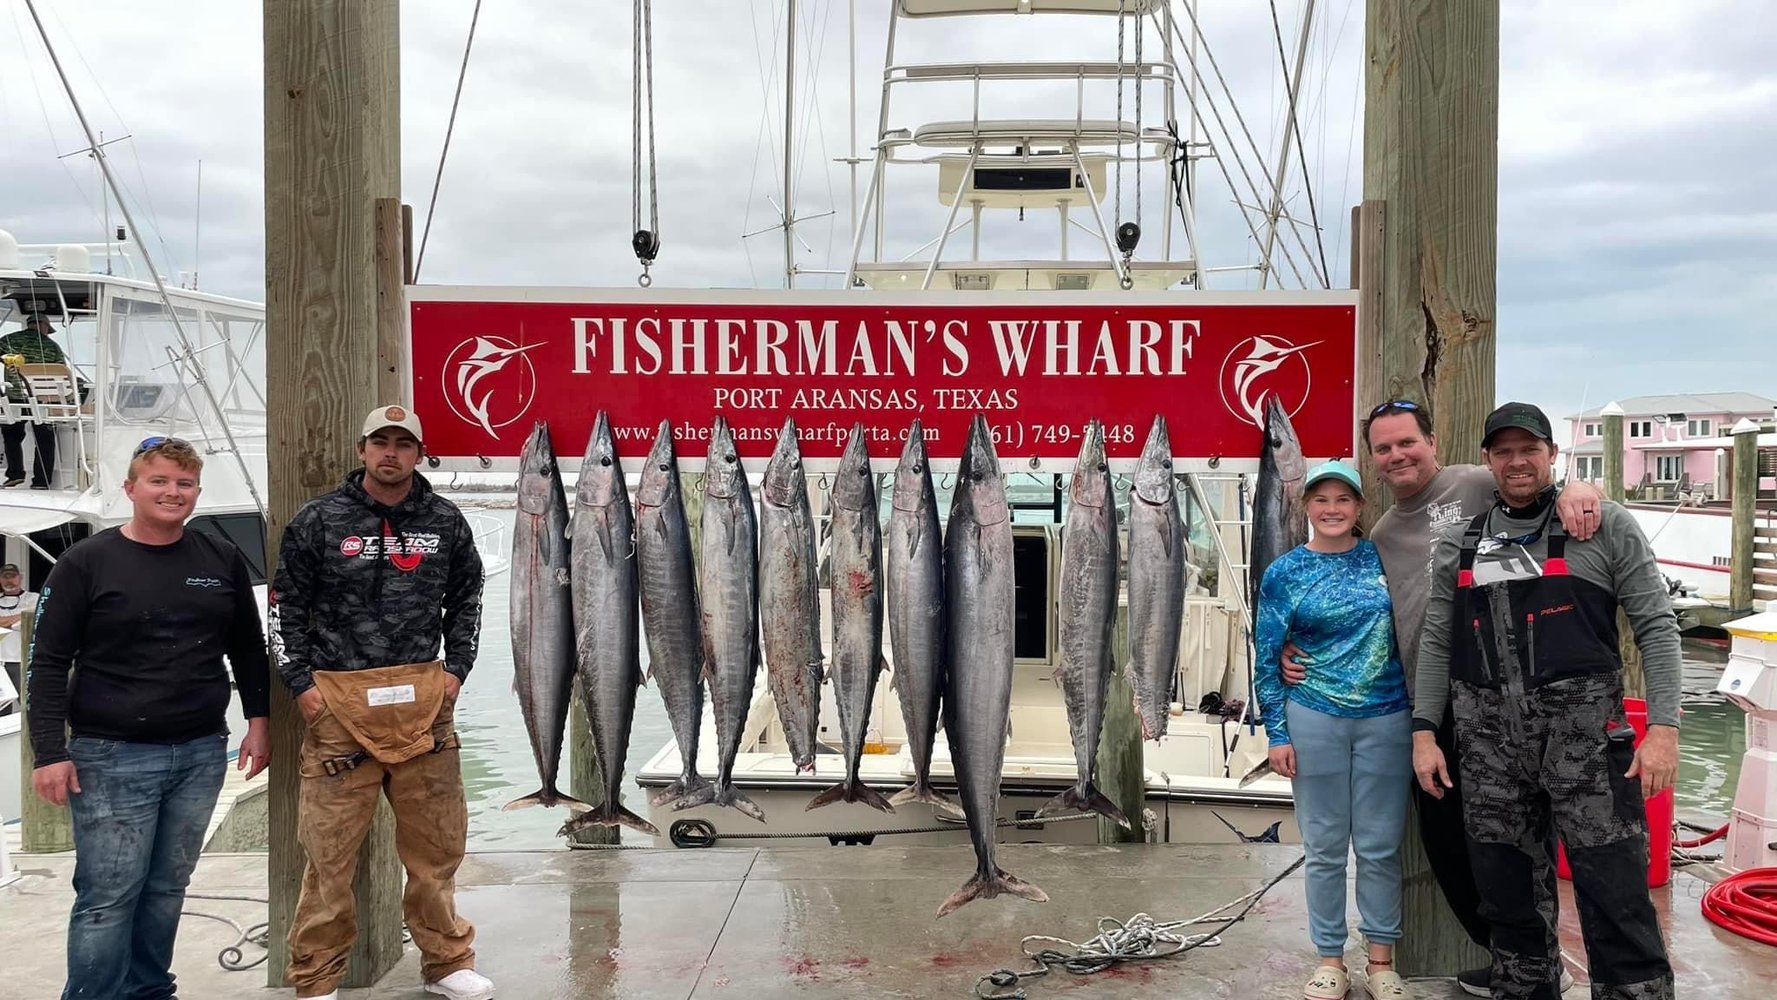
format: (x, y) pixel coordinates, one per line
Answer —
(1659, 814)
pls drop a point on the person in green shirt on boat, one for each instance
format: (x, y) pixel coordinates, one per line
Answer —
(29, 346)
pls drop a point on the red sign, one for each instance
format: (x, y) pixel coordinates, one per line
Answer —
(487, 363)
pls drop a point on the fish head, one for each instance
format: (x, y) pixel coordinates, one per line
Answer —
(1091, 471)
(913, 474)
(853, 487)
(1281, 443)
(784, 479)
(601, 474)
(1153, 475)
(979, 482)
(539, 477)
(723, 476)
(660, 477)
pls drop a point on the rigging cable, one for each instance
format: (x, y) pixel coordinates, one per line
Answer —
(449, 128)
(1295, 123)
(646, 241)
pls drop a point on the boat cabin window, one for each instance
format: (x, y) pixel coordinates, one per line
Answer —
(246, 531)
(1030, 601)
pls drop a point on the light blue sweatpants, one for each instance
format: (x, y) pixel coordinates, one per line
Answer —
(1352, 784)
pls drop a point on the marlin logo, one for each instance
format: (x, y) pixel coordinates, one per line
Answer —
(475, 386)
(1266, 356)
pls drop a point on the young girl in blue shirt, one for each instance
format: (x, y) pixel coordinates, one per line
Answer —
(1344, 736)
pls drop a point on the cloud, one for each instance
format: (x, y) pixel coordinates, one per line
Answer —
(1637, 246)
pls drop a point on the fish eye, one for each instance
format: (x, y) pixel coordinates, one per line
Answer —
(917, 467)
(1166, 463)
(1102, 467)
(728, 458)
(604, 460)
(663, 467)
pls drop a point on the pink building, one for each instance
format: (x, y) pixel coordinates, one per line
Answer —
(1670, 443)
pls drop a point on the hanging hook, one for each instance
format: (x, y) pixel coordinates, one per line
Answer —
(946, 480)
(821, 483)
(643, 279)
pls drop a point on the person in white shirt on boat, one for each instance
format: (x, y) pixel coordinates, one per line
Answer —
(15, 603)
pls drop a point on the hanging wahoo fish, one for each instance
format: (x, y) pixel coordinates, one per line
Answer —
(857, 616)
(980, 617)
(729, 571)
(1088, 606)
(606, 616)
(916, 613)
(789, 598)
(542, 615)
(1156, 581)
(1278, 522)
(670, 618)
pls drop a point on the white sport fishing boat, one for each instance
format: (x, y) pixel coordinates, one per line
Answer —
(141, 362)
(1067, 164)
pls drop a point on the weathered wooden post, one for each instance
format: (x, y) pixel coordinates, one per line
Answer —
(1740, 576)
(585, 781)
(1122, 775)
(1431, 171)
(332, 147)
(1615, 484)
(1616, 487)
(44, 828)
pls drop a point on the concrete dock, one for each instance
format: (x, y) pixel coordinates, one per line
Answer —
(828, 922)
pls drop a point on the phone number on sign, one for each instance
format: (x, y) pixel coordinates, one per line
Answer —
(1019, 435)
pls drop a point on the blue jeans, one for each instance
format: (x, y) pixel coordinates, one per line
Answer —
(1352, 788)
(139, 824)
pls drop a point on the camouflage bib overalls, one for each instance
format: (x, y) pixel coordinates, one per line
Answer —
(1535, 682)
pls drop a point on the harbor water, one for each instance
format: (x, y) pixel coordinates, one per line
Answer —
(497, 765)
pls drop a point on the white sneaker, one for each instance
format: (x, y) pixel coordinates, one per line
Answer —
(463, 984)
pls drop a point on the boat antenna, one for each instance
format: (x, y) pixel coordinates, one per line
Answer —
(197, 227)
(646, 241)
(188, 353)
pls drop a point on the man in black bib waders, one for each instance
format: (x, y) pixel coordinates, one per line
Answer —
(1520, 635)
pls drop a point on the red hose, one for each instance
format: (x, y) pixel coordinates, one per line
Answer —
(1745, 903)
(1706, 839)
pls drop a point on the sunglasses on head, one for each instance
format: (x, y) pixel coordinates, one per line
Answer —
(150, 443)
(1393, 404)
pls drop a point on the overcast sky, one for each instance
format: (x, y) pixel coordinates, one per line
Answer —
(1637, 224)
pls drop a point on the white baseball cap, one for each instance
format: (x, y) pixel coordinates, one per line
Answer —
(393, 416)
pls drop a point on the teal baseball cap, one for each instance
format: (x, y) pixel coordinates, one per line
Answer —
(1334, 470)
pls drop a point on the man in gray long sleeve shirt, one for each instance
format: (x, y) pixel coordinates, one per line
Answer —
(1520, 634)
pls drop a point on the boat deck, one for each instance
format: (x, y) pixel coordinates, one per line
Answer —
(829, 922)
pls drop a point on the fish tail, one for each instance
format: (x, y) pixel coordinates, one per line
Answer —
(980, 886)
(1086, 798)
(852, 790)
(734, 798)
(700, 794)
(547, 798)
(921, 791)
(612, 815)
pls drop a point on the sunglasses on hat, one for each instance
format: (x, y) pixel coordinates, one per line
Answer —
(150, 443)
(1393, 404)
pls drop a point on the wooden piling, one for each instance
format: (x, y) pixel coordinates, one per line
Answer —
(1431, 158)
(1743, 553)
(44, 828)
(1122, 775)
(332, 147)
(1615, 488)
(586, 781)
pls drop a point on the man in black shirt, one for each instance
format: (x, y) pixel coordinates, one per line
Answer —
(142, 615)
(372, 579)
